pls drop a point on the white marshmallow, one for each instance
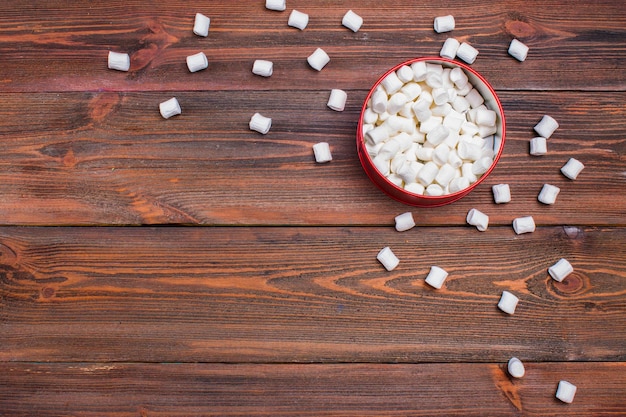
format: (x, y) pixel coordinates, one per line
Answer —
(566, 392)
(467, 53)
(201, 25)
(197, 62)
(437, 135)
(458, 76)
(477, 218)
(474, 98)
(395, 180)
(408, 171)
(388, 258)
(377, 135)
(538, 146)
(118, 61)
(560, 270)
(430, 124)
(485, 117)
(445, 175)
(277, 5)
(454, 160)
(425, 153)
(415, 188)
(427, 174)
(516, 368)
(434, 190)
(419, 70)
(546, 126)
(391, 83)
(482, 165)
(370, 116)
(405, 73)
(518, 50)
(396, 102)
(263, 68)
(379, 101)
(321, 151)
(458, 184)
(352, 21)
(444, 24)
(466, 171)
(411, 89)
(501, 193)
(337, 99)
(572, 168)
(441, 154)
(404, 221)
(318, 59)
(508, 302)
(436, 277)
(449, 48)
(260, 123)
(170, 108)
(382, 165)
(389, 149)
(469, 151)
(524, 225)
(298, 20)
(548, 194)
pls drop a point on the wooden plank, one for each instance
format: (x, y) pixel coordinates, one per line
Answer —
(61, 46)
(109, 158)
(308, 295)
(119, 389)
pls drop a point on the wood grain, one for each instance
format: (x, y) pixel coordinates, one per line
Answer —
(109, 158)
(119, 389)
(308, 295)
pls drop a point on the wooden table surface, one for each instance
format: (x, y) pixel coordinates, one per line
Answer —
(251, 286)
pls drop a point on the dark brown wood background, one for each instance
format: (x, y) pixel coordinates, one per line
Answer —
(251, 285)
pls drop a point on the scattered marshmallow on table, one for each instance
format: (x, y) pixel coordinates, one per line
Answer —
(118, 61)
(572, 168)
(548, 194)
(277, 5)
(501, 193)
(524, 225)
(449, 48)
(508, 302)
(321, 151)
(546, 126)
(389, 260)
(298, 19)
(337, 99)
(518, 50)
(197, 62)
(201, 25)
(260, 123)
(352, 21)
(467, 53)
(404, 221)
(566, 391)
(538, 146)
(436, 277)
(318, 59)
(263, 67)
(560, 270)
(516, 368)
(170, 108)
(477, 218)
(444, 24)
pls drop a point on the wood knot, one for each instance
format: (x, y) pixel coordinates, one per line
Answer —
(48, 292)
(101, 105)
(573, 284)
(7, 255)
(518, 26)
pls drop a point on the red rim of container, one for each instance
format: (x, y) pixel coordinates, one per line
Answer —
(400, 194)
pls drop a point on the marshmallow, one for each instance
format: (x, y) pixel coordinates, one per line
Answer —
(322, 152)
(197, 62)
(352, 21)
(477, 218)
(298, 20)
(436, 277)
(444, 24)
(449, 48)
(388, 258)
(518, 50)
(318, 59)
(169, 108)
(260, 123)
(524, 225)
(337, 99)
(474, 98)
(566, 392)
(405, 74)
(392, 83)
(560, 270)
(458, 184)
(201, 25)
(415, 188)
(434, 190)
(467, 53)
(404, 221)
(501, 193)
(458, 76)
(548, 194)
(538, 146)
(572, 168)
(508, 302)
(118, 61)
(427, 174)
(546, 126)
(516, 368)
(277, 5)
(445, 175)
(263, 68)
(482, 165)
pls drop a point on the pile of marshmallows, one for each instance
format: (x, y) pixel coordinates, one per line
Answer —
(264, 68)
(385, 157)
